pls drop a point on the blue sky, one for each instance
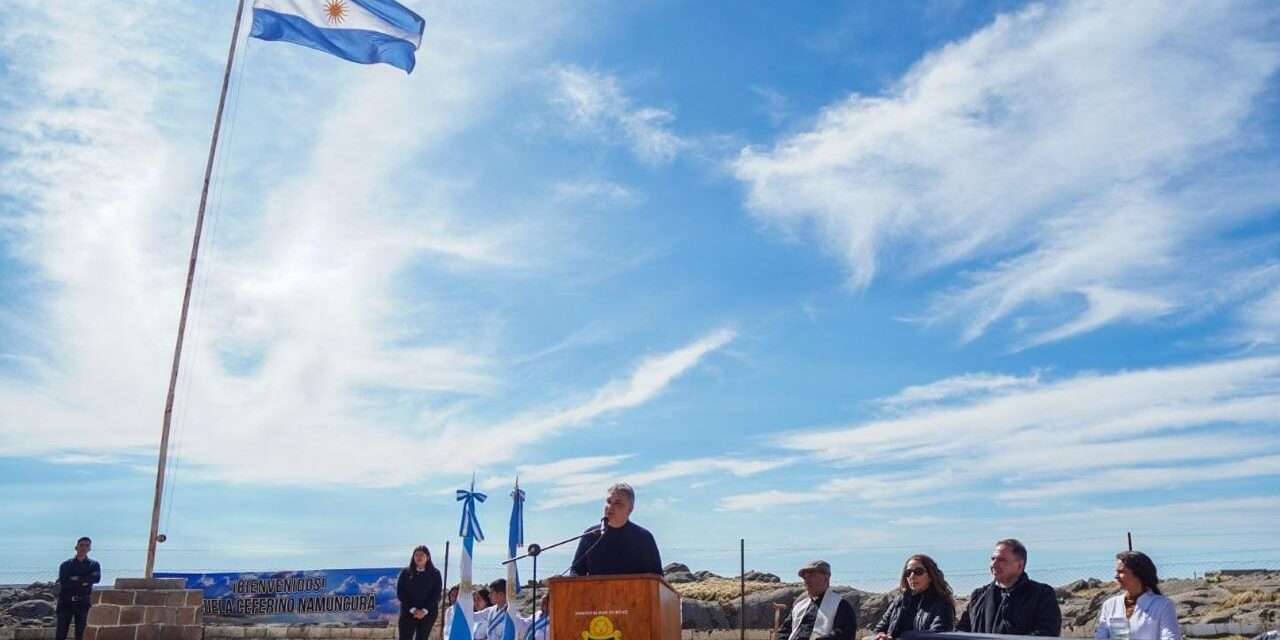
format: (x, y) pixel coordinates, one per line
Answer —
(847, 281)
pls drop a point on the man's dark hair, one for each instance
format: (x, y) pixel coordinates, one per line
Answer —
(1142, 568)
(625, 489)
(84, 539)
(499, 585)
(1018, 549)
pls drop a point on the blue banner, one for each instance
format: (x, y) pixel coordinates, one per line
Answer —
(297, 597)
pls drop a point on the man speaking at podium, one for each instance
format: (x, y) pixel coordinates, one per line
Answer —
(617, 546)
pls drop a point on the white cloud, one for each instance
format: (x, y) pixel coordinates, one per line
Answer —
(587, 487)
(963, 387)
(333, 357)
(556, 470)
(596, 103)
(1049, 153)
(1260, 320)
(1037, 439)
(1138, 479)
(648, 379)
(598, 192)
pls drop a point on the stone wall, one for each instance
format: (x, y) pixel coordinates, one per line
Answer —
(140, 609)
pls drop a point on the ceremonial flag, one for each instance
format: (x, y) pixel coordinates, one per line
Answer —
(470, 532)
(515, 540)
(364, 31)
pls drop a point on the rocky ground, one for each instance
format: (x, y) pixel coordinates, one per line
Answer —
(27, 606)
(712, 602)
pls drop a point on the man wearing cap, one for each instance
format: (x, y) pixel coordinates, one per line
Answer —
(819, 613)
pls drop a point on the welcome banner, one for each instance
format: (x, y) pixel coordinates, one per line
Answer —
(297, 597)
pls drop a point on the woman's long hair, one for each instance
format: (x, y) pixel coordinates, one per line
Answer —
(1142, 568)
(938, 587)
(483, 594)
(413, 567)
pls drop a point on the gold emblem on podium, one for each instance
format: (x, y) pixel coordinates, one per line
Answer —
(601, 628)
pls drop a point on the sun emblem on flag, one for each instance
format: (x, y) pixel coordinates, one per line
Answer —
(335, 11)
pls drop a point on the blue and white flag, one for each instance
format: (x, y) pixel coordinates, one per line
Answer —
(470, 532)
(364, 31)
(515, 534)
(515, 540)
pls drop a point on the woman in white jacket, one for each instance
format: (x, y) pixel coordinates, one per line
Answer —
(1139, 611)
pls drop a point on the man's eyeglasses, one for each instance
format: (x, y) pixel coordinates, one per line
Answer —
(913, 571)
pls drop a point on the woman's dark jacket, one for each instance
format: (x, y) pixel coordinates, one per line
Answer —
(911, 612)
(419, 590)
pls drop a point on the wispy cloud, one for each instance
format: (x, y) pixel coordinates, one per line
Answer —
(648, 379)
(596, 103)
(1038, 439)
(595, 191)
(303, 337)
(586, 487)
(1259, 323)
(1073, 157)
(963, 387)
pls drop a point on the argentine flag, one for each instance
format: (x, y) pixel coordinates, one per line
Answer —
(470, 532)
(364, 31)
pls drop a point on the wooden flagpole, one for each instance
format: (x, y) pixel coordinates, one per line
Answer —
(186, 300)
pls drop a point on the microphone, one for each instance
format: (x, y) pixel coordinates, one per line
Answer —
(604, 525)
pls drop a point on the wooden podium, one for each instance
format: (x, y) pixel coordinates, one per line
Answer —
(627, 607)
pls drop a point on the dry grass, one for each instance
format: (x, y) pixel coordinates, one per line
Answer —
(720, 589)
(1250, 597)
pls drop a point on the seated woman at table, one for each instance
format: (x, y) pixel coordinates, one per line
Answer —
(924, 601)
(1140, 606)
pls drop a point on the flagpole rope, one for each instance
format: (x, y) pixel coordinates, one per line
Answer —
(186, 302)
(210, 263)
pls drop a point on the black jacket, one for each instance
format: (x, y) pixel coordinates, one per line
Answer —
(925, 612)
(626, 549)
(76, 579)
(1029, 609)
(419, 590)
(842, 628)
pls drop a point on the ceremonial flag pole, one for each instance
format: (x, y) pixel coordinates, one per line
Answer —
(373, 31)
(186, 301)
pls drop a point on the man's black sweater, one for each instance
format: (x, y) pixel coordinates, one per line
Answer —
(1026, 608)
(76, 579)
(626, 549)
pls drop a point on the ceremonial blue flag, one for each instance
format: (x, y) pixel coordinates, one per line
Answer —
(364, 31)
(515, 540)
(515, 534)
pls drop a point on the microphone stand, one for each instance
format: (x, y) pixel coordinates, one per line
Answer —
(534, 550)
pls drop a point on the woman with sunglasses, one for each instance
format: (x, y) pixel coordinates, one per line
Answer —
(924, 601)
(418, 589)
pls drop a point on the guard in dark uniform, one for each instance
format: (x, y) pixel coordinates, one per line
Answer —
(76, 578)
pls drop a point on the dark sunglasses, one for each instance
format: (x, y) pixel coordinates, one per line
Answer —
(916, 571)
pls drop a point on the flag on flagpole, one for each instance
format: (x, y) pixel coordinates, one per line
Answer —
(515, 540)
(515, 534)
(470, 532)
(364, 31)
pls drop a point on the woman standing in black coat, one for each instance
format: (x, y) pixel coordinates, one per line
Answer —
(924, 601)
(419, 592)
